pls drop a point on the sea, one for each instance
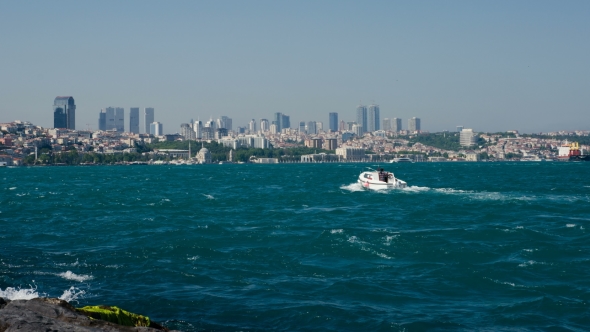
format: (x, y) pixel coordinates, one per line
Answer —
(496, 246)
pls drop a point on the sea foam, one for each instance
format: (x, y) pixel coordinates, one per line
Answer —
(69, 275)
(19, 293)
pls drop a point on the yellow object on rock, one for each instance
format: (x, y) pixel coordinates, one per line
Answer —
(115, 315)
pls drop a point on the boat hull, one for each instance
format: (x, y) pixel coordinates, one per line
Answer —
(370, 180)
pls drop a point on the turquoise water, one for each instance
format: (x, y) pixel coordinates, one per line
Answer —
(468, 246)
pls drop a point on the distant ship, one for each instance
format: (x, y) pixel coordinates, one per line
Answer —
(572, 152)
(401, 160)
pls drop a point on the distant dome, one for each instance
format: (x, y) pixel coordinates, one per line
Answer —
(204, 150)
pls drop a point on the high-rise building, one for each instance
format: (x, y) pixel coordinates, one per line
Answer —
(64, 112)
(396, 124)
(102, 120)
(386, 124)
(373, 118)
(459, 128)
(302, 127)
(319, 126)
(311, 128)
(264, 126)
(361, 119)
(198, 129)
(252, 126)
(187, 131)
(333, 121)
(414, 124)
(109, 118)
(148, 118)
(282, 121)
(225, 122)
(342, 126)
(156, 129)
(120, 119)
(467, 137)
(134, 120)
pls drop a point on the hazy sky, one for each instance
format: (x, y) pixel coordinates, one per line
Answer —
(486, 65)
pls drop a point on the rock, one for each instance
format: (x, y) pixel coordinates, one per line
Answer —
(55, 315)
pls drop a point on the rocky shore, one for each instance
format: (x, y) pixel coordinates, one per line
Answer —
(51, 314)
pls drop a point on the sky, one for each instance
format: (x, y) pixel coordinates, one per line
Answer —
(487, 65)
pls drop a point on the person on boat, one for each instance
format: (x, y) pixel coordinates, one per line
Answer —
(382, 175)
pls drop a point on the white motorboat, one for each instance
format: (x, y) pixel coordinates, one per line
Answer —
(401, 160)
(380, 179)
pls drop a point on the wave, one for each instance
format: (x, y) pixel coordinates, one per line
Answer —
(69, 275)
(71, 294)
(12, 293)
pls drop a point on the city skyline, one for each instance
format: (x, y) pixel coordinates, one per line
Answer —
(493, 66)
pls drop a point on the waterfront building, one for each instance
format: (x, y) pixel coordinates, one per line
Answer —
(204, 156)
(361, 118)
(351, 154)
(333, 121)
(64, 112)
(156, 128)
(396, 124)
(467, 137)
(414, 124)
(148, 118)
(134, 120)
(373, 118)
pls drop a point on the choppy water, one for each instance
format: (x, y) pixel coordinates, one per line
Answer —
(469, 246)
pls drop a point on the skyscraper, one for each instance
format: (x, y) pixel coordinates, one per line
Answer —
(134, 120)
(198, 128)
(225, 122)
(148, 118)
(156, 128)
(109, 118)
(64, 112)
(311, 128)
(373, 118)
(302, 127)
(467, 137)
(386, 124)
(264, 126)
(252, 126)
(333, 121)
(120, 119)
(414, 124)
(396, 124)
(282, 121)
(361, 119)
(102, 120)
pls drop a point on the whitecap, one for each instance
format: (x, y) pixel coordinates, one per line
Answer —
(353, 187)
(194, 258)
(208, 196)
(69, 275)
(570, 225)
(19, 293)
(72, 294)
(415, 189)
(336, 231)
(11, 188)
